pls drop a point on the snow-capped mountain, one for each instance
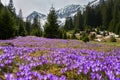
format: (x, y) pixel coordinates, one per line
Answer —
(41, 16)
(67, 11)
(34, 14)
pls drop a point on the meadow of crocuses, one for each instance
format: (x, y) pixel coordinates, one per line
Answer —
(34, 58)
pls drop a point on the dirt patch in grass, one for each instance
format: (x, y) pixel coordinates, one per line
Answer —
(6, 44)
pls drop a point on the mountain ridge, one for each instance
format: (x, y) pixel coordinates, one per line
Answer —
(62, 13)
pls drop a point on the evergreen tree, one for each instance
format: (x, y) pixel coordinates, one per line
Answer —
(1, 9)
(97, 17)
(78, 21)
(117, 28)
(68, 24)
(28, 26)
(116, 15)
(1, 6)
(36, 27)
(7, 25)
(64, 34)
(89, 16)
(22, 30)
(74, 21)
(105, 16)
(111, 26)
(11, 6)
(110, 4)
(51, 28)
(20, 14)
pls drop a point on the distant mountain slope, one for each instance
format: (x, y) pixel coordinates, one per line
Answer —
(67, 11)
(35, 13)
(41, 16)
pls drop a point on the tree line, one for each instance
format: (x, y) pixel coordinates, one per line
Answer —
(12, 25)
(104, 16)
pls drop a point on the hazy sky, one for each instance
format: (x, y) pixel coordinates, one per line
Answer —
(42, 6)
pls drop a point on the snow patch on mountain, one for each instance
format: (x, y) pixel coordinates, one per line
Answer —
(41, 17)
(34, 14)
(67, 11)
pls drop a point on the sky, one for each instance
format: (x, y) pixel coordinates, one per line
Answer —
(42, 6)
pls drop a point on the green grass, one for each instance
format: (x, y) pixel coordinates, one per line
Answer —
(117, 44)
(5, 44)
(1, 52)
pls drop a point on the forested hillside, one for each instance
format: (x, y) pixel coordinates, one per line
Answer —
(104, 16)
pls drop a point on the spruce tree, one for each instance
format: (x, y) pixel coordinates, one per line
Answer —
(1, 6)
(20, 15)
(36, 27)
(22, 30)
(51, 28)
(89, 16)
(117, 28)
(116, 15)
(71, 23)
(64, 34)
(79, 21)
(11, 6)
(7, 25)
(97, 17)
(106, 16)
(28, 26)
(68, 24)
(110, 4)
